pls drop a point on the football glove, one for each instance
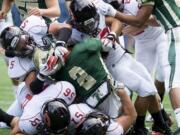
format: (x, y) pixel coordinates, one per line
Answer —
(108, 42)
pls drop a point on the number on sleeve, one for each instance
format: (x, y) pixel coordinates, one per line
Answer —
(11, 64)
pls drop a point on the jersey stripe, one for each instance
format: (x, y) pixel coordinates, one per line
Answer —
(172, 58)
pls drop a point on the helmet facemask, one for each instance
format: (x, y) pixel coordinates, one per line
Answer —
(17, 42)
(89, 26)
(86, 19)
(24, 46)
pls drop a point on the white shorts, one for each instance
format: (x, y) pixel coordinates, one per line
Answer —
(152, 52)
(133, 74)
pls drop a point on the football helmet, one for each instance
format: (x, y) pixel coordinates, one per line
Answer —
(56, 115)
(96, 123)
(85, 17)
(117, 4)
(18, 42)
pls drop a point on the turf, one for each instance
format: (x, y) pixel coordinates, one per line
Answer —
(6, 93)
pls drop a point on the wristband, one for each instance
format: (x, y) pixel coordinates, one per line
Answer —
(41, 77)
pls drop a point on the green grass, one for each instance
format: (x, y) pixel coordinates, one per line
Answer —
(6, 95)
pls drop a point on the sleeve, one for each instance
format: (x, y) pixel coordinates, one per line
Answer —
(31, 119)
(19, 68)
(93, 44)
(26, 127)
(30, 125)
(78, 112)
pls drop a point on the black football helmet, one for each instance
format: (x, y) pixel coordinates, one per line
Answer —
(56, 116)
(96, 123)
(17, 42)
(85, 17)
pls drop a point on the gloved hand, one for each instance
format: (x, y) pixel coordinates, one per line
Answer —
(105, 8)
(108, 42)
(50, 66)
(61, 52)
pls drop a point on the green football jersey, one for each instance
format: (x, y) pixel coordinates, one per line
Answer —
(84, 68)
(25, 5)
(166, 11)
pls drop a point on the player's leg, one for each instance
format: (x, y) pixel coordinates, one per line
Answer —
(173, 80)
(122, 72)
(135, 77)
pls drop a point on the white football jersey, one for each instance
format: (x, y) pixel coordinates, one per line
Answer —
(31, 117)
(115, 54)
(20, 67)
(36, 27)
(79, 112)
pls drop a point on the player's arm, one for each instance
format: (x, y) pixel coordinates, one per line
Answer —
(5, 8)
(15, 127)
(52, 10)
(36, 86)
(61, 31)
(129, 114)
(132, 30)
(138, 20)
(112, 37)
(11, 121)
(114, 24)
(30, 78)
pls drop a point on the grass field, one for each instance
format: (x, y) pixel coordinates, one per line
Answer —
(6, 95)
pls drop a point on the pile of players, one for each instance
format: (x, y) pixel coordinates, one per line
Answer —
(77, 75)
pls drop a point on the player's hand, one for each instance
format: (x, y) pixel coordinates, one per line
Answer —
(105, 8)
(49, 67)
(108, 42)
(35, 11)
(3, 14)
(61, 52)
(2, 51)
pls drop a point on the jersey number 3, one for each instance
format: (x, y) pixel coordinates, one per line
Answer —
(83, 79)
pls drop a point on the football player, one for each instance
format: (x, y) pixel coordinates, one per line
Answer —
(121, 65)
(150, 46)
(42, 113)
(170, 21)
(50, 112)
